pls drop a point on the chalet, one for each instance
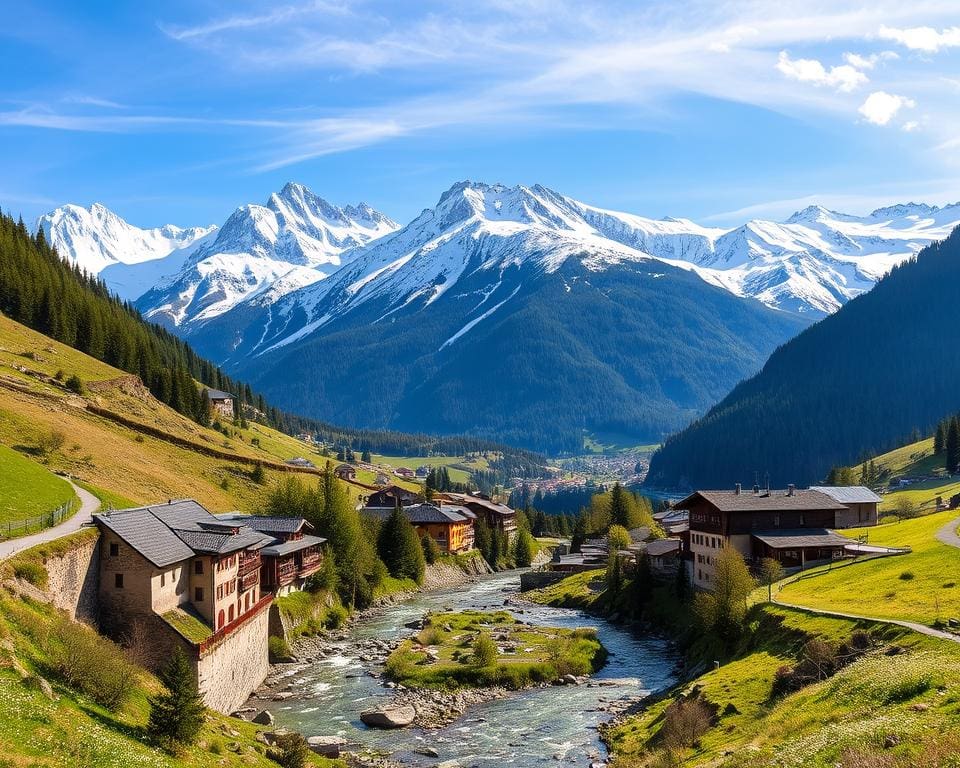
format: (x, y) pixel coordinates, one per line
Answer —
(498, 516)
(193, 580)
(382, 479)
(422, 471)
(345, 472)
(405, 472)
(299, 461)
(389, 497)
(450, 526)
(665, 556)
(792, 526)
(221, 403)
(862, 505)
(290, 558)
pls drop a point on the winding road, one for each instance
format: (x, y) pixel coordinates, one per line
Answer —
(89, 504)
(948, 534)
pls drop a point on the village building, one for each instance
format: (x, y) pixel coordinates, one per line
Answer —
(290, 558)
(450, 526)
(405, 472)
(345, 472)
(299, 461)
(862, 505)
(791, 526)
(221, 403)
(665, 557)
(422, 471)
(499, 517)
(382, 479)
(390, 497)
(191, 579)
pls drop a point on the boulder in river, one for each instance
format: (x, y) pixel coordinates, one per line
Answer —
(326, 746)
(389, 717)
(263, 718)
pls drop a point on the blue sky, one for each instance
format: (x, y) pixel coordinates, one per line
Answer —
(180, 111)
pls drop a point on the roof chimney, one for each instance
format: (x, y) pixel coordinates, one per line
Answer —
(790, 489)
(737, 489)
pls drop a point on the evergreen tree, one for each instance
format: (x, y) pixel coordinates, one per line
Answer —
(431, 550)
(482, 537)
(940, 439)
(953, 446)
(365, 457)
(177, 713)
(642, 584)
(681, 584)
(523, 549)
(400, 548)
(619, 512)
(579, 533)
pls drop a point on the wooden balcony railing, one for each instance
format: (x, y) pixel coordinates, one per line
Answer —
(249, 563)
(249, 580)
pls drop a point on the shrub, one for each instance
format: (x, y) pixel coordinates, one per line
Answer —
(907, 576)
(290, 750)
(431, 550)
(50, 442)
(279, 650)
(31, 572)
(428, 636)
(484, 651)
(335, 617)
(257, 474)
(91, 664)
(685, 722)
(74, 384)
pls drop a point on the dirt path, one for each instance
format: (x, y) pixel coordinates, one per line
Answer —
(88, 505)
(948, 534)
(923, 629)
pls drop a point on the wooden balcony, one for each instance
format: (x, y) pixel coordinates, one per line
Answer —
(249, 580)
(249, 562)
(310, 564)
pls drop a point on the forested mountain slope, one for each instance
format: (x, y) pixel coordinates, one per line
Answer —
(855, 384)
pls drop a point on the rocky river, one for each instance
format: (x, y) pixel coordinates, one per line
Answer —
(339, 677)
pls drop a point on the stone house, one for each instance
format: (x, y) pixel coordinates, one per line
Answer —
(188, 578)
(450, 526)
(498, 517)
(345, 472)
(221, 403)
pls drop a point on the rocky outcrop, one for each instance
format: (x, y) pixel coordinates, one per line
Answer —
(453, 573)
(389, 717)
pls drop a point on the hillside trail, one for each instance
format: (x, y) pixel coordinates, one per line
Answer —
(89, 504)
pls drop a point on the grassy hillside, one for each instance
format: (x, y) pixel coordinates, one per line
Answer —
(64, 727)
(881, 711)
(922, 586)
(27, 488)
(121, 463)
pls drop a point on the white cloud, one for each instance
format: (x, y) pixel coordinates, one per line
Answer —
(881, 107)
(845, 77)
(926, 39)
(911, 125)
(868, 62)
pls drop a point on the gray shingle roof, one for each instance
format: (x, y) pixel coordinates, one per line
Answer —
(148, 535)
(216, 394)
(265, 523)
(287, 547)
(747, 501)
(802, 537)
(424, 513)
(848, 494)
(662, 547)
(211, 542)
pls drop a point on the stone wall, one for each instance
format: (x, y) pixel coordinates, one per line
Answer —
(230, 670)
(73, 579)
(451, 574)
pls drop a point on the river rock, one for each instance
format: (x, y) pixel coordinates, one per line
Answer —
(263, 717)
(427, 751)
(326, 746)
(389, 717)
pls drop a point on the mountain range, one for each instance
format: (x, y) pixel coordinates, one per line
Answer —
(513, 312)
(873, 376)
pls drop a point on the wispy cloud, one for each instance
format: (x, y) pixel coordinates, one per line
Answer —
(926, 39)
(92, 101)
(272, 18)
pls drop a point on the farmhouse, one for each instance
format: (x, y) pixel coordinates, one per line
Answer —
(862, 505)
(498, 516)
(388, 498)
(450, 526)
(221, 403)
(792, 526)
(188, 578)
(345, 472)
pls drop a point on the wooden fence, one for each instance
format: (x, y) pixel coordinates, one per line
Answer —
(16, 528)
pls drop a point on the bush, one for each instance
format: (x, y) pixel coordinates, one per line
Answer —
(50, 442)
(177, 714)
(685, 722)
(31, 572)
(484, 651)
(907, 576)
(290, 750)
(429, 636)
(92, 664)
(335, 617)
(431, 550)
(257, 474)
(74, 384)
(279, 650)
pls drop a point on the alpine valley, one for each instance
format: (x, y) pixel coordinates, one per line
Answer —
(507, 312)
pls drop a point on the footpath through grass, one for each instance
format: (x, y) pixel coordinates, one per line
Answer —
(476, 649)
(923, 586)
(28, 489)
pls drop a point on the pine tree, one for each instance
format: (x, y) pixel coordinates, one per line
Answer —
(482, 536)
(400, 548)
(940, 438)
(619, 509)
(953, 446)
(176, 714)
(523, 549)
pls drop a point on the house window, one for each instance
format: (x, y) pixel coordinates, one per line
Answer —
(114, 549)
(118, 580)
(163, 579)
(220, 620)
(231, 614)
(198, 567)
(198, 595)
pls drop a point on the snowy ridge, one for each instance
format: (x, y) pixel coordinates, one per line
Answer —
(811, 264)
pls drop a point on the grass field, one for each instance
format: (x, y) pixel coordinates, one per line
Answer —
(908, 701)
(442, 655)
(923, 586)
(27, 488)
